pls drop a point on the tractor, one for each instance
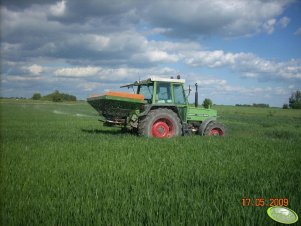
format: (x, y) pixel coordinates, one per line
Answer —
(159, 108)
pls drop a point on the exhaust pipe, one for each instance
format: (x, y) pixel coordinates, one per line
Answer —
(196, 100)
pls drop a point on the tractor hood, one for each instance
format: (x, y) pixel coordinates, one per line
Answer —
(200, 114)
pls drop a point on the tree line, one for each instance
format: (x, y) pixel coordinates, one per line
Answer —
(56, 96)
(294, 102)
(253, 105)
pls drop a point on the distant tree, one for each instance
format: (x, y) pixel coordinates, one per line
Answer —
(243, 105)
(295, 100)
(285, 106)
(68, 97)
(261, 105)
(207, 103)
(36, 96)
(56, 96)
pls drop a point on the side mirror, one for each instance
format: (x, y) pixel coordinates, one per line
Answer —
(189, 90)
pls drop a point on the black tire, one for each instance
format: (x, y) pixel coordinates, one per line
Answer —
(215, 129)
(160, 123)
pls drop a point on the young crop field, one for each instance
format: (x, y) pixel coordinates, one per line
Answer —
(60, 166)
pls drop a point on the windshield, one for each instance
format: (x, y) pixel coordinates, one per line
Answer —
(147, 91)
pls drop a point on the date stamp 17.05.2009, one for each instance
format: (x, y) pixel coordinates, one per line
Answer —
(260, 202)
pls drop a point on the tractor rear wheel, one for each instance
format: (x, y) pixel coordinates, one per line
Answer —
(215, 129)
(160, 123)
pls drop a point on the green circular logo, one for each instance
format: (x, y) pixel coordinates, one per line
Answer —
(282, 214)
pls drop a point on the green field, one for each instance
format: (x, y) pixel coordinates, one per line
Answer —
(59, 166)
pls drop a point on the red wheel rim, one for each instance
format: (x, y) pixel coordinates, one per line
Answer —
(216, 132)
(162, 128)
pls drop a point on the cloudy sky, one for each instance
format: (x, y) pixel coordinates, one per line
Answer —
(239, 51)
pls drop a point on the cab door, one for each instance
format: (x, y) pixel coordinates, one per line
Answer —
(163, 93)
(180, 100)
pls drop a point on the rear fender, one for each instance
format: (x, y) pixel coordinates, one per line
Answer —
(147, 108)
(155, 106)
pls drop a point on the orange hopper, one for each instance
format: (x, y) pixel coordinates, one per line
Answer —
(121, 94)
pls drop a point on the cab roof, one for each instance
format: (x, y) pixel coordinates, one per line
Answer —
(154, 79)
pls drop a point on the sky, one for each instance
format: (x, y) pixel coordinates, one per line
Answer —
(238, 51)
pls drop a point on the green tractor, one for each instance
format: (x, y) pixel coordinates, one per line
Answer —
(158, 109)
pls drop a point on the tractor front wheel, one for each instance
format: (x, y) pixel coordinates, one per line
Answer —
(215, 129)
(160, 123)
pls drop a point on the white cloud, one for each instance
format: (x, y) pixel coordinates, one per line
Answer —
(284, 21)
(298, 31)
(89, 86)
(77, 71)
(111, 74)
(228, 18)
(93, 42)
(133, 74)
(211, 82)
(35, 69)
(157, 30)
(248, 64)
(250, 75)
(23, 78)
(223, 91)
(8, 47)
(186, 18)
(243, 91)
(215, 58)
(58, 9)
(268, 26)
(160, 56)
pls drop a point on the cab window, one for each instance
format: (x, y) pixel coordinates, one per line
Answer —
(163, 93)
(147, 91)
(178, 94)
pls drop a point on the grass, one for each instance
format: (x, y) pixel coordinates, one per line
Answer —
(59, 166)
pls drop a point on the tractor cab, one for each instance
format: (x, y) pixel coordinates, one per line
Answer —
(161, 90)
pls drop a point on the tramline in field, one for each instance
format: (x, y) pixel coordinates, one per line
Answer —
(159, 109)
